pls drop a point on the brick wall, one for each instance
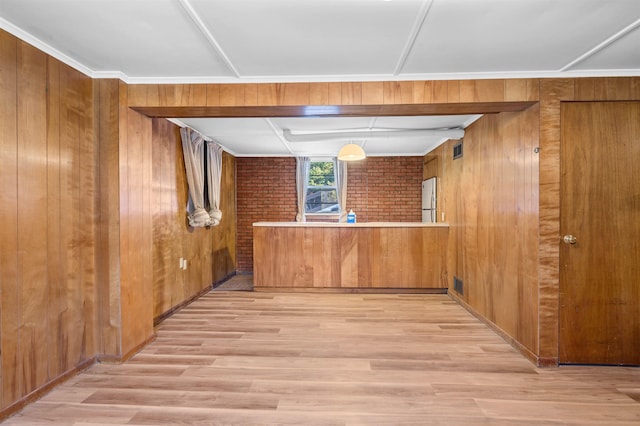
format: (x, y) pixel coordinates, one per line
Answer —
(266, 191)
(379, 189)
(386, 189)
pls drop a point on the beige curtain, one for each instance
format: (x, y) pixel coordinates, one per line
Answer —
(302, 184)
(340, 173)
(214, 175)
(193, 149)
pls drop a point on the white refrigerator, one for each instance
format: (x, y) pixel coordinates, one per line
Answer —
(429, 200)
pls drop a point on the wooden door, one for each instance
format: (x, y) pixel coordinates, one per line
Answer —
(600, 207)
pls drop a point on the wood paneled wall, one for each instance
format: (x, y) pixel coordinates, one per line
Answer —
(107, 101)
(490, 199)
(136, 236)
(210, 252)
(124, 260)
(362, 257)
(48, 213)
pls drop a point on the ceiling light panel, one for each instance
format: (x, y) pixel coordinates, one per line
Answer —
(311, 37)
(138, 38)
(466, 36)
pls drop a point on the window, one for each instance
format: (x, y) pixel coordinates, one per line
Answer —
(322, 196)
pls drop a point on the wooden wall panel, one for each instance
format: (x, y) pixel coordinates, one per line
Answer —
(490, 202)
(32, 205)
(522, 89)
(342, 257)
(210, 252)
(47, 262)
(9, 296)
(135, 229)
(549, 228)
(108, 259)
(77, 210)
(55, 258)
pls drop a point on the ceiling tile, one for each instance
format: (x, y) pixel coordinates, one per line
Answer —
(320, 124)
(405, 146)
(311, 37)
(241, 136)
(260, 136)
(467, 36)
(622, 54)
(140, 38)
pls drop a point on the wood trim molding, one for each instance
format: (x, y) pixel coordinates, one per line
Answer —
(43, 390)
(157, 320)
(352, 290)
(333, 110)
(533, 358)
(115, 359)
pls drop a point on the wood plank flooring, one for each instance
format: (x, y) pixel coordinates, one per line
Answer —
(243, 358)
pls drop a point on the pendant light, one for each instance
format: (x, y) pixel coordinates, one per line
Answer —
(351, 152)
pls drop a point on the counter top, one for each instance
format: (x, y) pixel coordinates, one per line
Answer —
(353, 225)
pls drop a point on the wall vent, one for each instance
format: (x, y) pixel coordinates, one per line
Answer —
(457, 150)
(458, 286)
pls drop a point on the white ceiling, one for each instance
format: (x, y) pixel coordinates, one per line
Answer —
(221, 41)
(379, 136)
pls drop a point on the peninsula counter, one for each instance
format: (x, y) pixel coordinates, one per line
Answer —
(344, 256)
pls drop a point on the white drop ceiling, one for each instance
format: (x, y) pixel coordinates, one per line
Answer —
(239, 41)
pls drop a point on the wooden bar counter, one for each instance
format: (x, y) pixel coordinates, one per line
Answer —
(343, 256)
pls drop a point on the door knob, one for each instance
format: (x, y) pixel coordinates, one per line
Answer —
(569, 239)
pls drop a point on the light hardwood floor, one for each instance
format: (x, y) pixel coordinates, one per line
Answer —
(334, 359)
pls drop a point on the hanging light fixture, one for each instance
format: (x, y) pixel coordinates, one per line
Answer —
(351, 152)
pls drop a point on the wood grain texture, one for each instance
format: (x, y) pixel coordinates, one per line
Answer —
(47, 272)
(80, 177)
(57, 287)
(490, 198)
(431, 166)
(210, 252)
(136, 266)
(340, 93)
(333, 359)
(552, 93)
(600, 205)
(9, 302)
(353, 110)
(363, 257)
(108, 260)
(32, 203)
